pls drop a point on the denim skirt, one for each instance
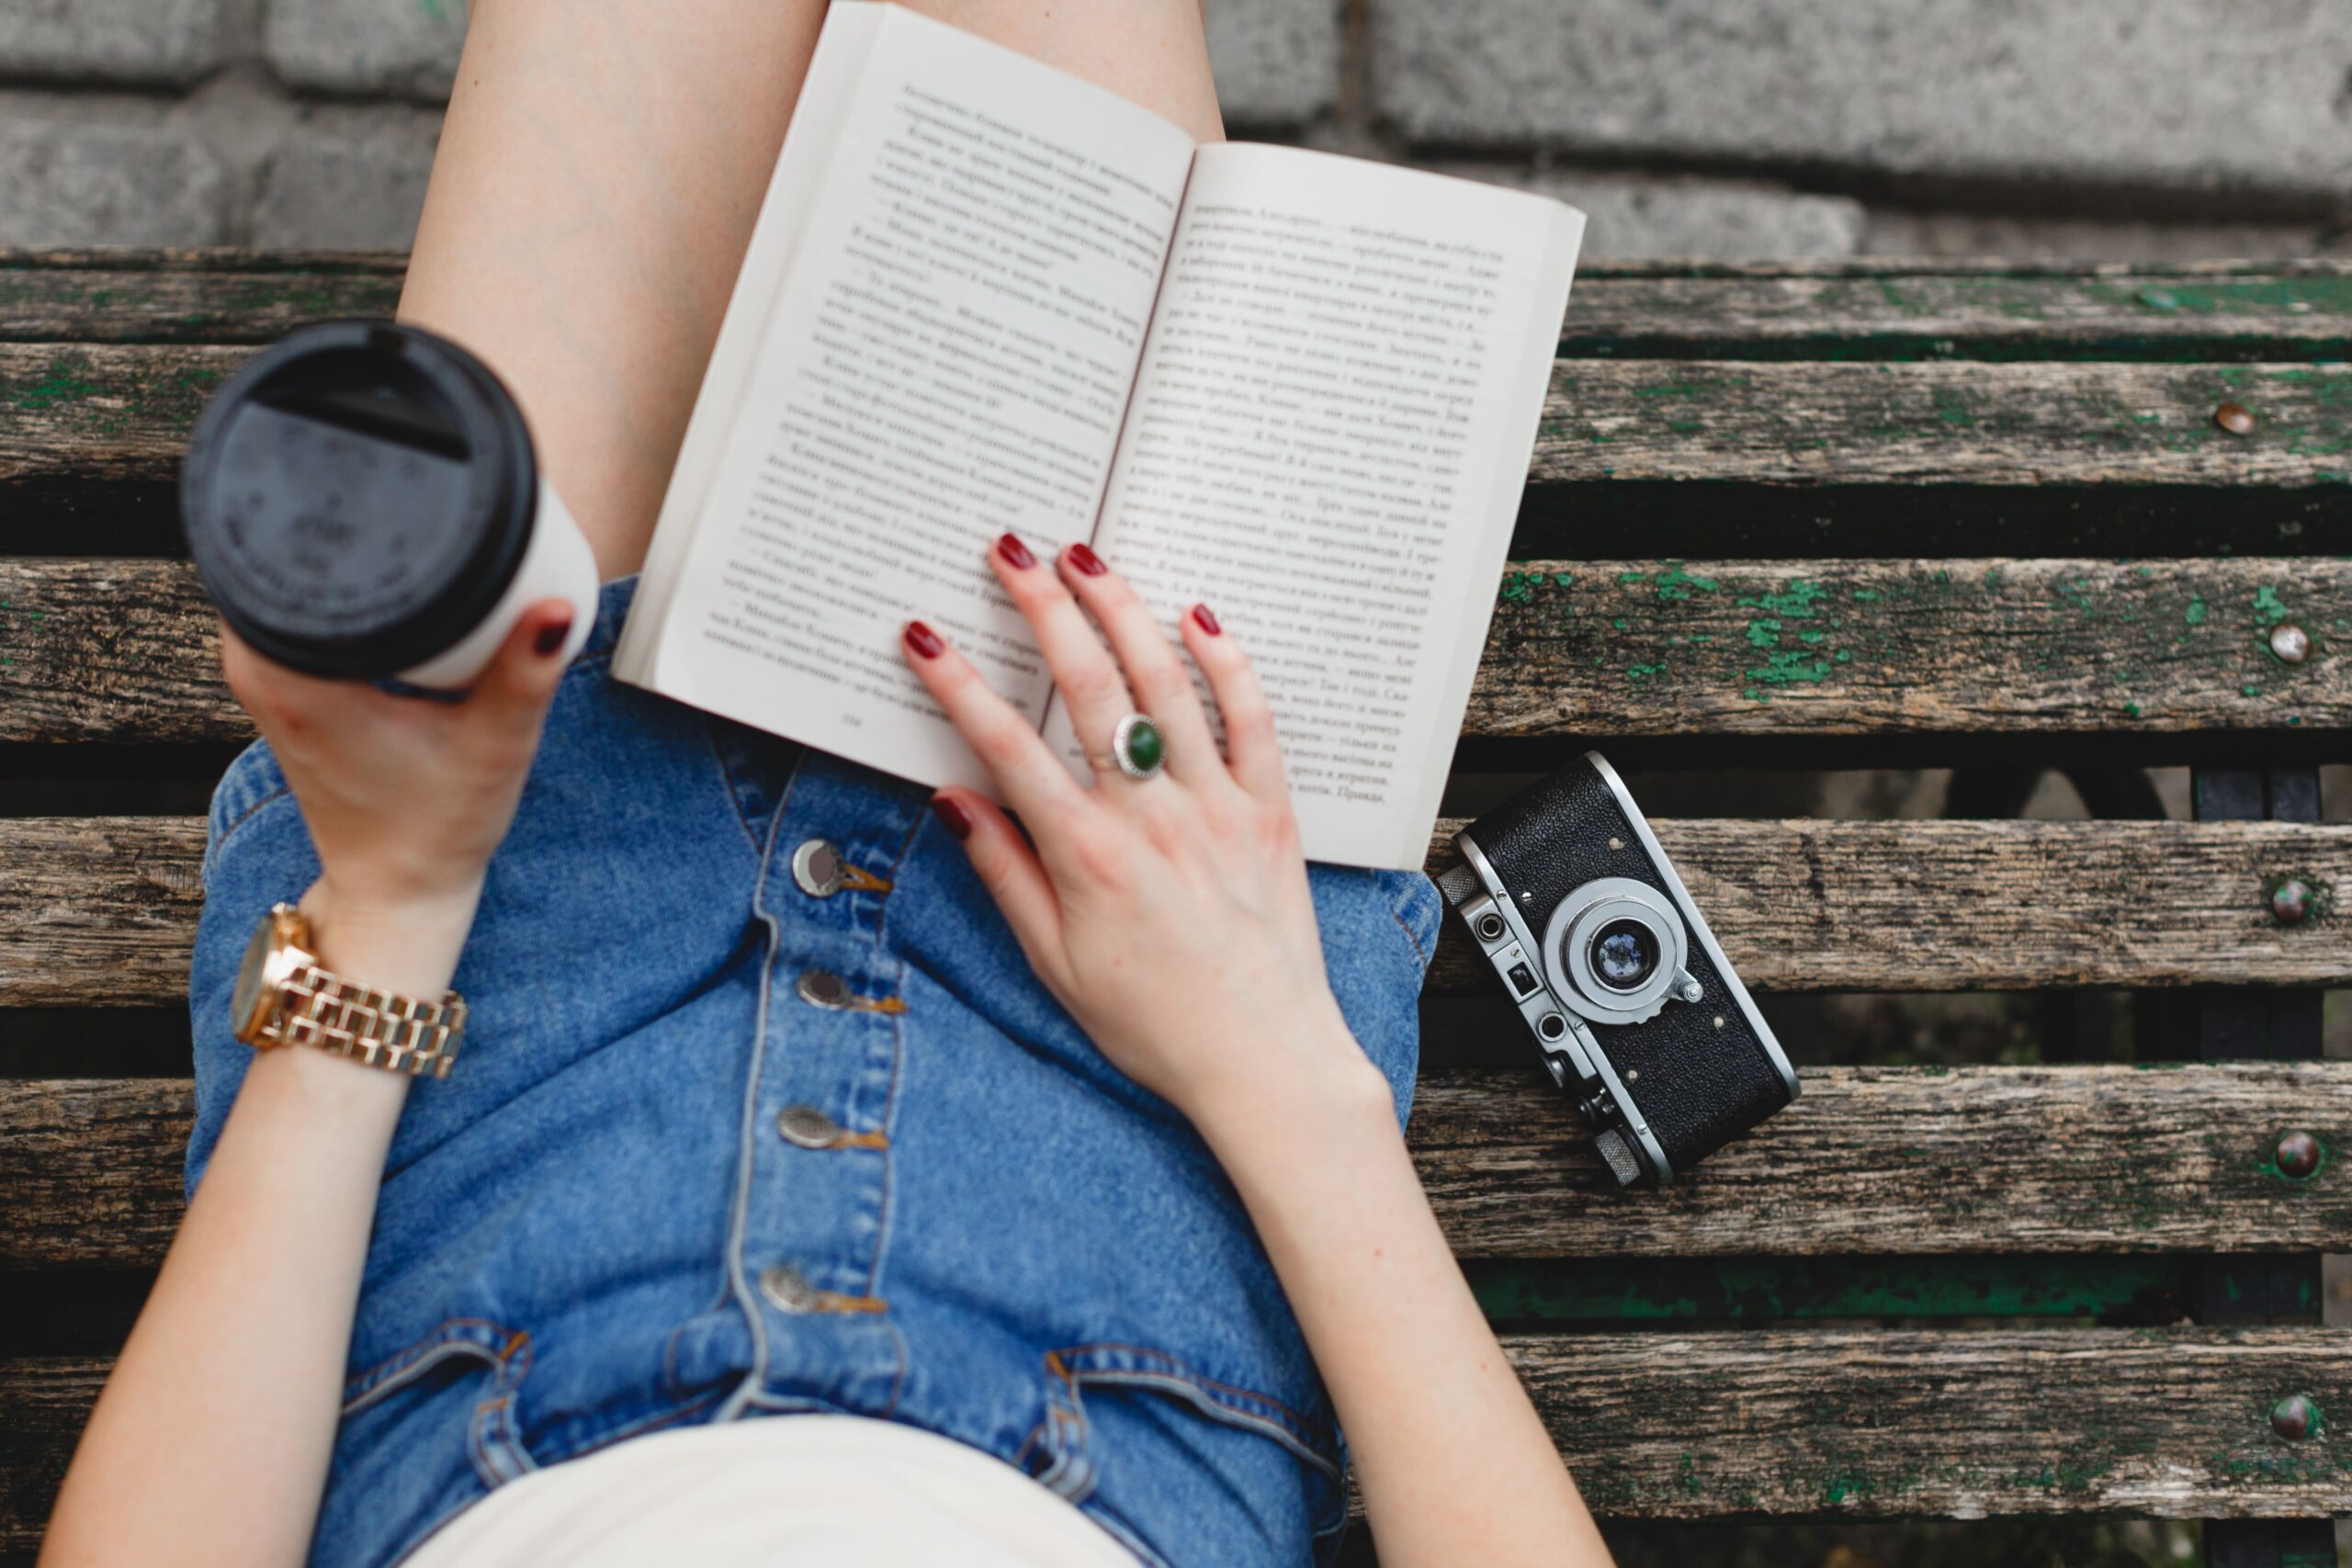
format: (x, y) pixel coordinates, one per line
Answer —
(761, 1111)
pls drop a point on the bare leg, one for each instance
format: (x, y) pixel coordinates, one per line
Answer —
(597, 178)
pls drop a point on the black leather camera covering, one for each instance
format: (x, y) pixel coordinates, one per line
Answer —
(1697, 1086)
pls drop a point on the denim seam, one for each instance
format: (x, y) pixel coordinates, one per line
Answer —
(628, 1429)
(494, 1426)
(727, 776)
(898, 864)
(491, 1435)
(400, 1367)
(738, 1221)
(1299, 1430)
(881, 1253)
(1117, 1529)
(1397, 915)
(219, 840)
(1201, 1394)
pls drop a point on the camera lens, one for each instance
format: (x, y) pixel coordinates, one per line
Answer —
(1625, 954)
(1613, 951)
(1490, 927)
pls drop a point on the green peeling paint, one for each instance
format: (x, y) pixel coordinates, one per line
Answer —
(1784, 667)
(1672, 582)
(1520, 586)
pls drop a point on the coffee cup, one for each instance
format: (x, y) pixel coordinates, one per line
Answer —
(363, 502)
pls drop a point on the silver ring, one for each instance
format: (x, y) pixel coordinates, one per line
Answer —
(1137, 749)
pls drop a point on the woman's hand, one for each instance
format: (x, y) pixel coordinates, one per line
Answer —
(405, 798)
(1170, 915)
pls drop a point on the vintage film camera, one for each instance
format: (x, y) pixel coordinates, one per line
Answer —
(1634, 1007)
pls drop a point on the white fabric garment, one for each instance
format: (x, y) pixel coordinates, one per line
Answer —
(776, 1492)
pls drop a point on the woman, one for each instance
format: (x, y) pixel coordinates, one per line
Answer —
(1051, 1187)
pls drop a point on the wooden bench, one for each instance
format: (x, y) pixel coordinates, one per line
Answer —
(1790, 517)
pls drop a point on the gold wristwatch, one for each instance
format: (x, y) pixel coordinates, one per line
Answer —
(285, 998)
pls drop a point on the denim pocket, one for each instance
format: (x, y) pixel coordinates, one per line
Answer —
(1067, 1452)
(423, 1383)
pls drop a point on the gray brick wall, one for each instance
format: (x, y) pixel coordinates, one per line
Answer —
(1769, 128)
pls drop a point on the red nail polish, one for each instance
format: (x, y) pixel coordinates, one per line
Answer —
(923, 641)
(1087, 561)
(1205, 618)
(551, 637)
(952, 815)
(1015, 553)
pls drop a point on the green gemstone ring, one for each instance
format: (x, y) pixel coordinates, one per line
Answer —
(1137, 747)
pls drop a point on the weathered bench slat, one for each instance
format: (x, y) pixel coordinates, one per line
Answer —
(1633, 310)
(83, 417)
(236, 304)
(123, 650)
(1912, 1161)
(102, 910)
(1895, 1161)
(2172, 1423)
(1905, 906)
(1922, 424)
(1894, 312)
(1876, 648)
(99, 911)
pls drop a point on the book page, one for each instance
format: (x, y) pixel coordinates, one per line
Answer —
(1328, 439)
(948, 357)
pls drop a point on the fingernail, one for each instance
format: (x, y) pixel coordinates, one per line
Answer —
(1087, 561)
(551, 637)
(1206, 619)
(952, 815)
(1015, 553)
(923, 641)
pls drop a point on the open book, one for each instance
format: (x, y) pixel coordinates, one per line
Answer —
(984, 295)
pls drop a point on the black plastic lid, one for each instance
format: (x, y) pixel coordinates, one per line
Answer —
(358, 497)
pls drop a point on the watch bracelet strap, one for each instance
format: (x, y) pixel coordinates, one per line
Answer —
(375, 1029)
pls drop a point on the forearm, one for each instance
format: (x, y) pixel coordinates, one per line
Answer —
(211, 1439)
(1452, 1462)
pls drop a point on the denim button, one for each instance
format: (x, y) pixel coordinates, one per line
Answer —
(784, 1289)
(816, 868)
(823, 989)
(807, 1126)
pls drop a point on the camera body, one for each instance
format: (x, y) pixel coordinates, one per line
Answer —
(1636, 1010)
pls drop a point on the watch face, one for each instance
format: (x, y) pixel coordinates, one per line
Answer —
(249, 976)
